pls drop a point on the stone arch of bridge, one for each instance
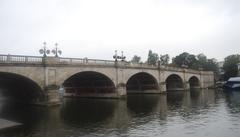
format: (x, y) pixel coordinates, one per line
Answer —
(194, 82)
(140, 82)
(35, 74)
(189, 75)
(174, 82)
(66, 72)
(130, 73)
(20, 88)
(89, 83)
(169, 73)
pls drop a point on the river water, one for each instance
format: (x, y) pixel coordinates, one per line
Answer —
(205, 113)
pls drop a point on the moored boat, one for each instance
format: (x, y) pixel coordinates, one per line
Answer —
(233, 83)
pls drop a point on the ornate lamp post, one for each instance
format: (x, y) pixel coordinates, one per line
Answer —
(122, 57)
(116, 57)
(56, 51)
(44, 50)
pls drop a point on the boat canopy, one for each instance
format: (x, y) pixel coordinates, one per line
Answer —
(234, 79)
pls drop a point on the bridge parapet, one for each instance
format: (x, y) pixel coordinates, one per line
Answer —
(20, 59)
(163, 67)
(139, 65)
(86, 61)
(177, 69)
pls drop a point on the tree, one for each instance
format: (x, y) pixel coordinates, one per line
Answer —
(211, 65)
(230, 66)
(164, 59)
(136, 59)
(202, 60)
(185, 59)
(207, 64)
(152, 58)
(196, 62)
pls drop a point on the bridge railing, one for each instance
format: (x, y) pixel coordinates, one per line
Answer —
(20, 59)
(179, 69)
(163, 67)
(76, 61)
(71, 61)
(141, 65)
(104, 62)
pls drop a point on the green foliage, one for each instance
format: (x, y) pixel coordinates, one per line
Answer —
(164, 59)
(136, 59)
(185, 59)
(195, 62)
(152, 58)
(211, 65)
(230, 66)
(207, 64)
(202, 60)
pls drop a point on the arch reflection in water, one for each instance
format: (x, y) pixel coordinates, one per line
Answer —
(195, 93)
(142, 104)
(175, 99)
(145, 105)
(202, 98)
(189, 104)
(195, 96)
(87, 112)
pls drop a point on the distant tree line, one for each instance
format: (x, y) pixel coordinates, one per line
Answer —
(183, 59)
(199, 61)
(192, 61)
(152, 59)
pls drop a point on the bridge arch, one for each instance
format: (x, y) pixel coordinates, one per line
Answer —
(174, 82)
(20, 88)
(142, 82)
(89, 84)
(194, 82)
(35, 73)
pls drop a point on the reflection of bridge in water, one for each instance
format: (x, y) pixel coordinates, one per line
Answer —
(97, 115)
(36, 78)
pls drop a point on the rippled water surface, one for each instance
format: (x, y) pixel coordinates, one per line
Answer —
(181, 114)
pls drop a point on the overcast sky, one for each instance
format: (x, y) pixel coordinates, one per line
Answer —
(95, 28)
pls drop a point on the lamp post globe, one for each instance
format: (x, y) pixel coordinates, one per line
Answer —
(56, 51)
(44, 50)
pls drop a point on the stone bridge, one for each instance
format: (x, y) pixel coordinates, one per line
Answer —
(36, 79)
